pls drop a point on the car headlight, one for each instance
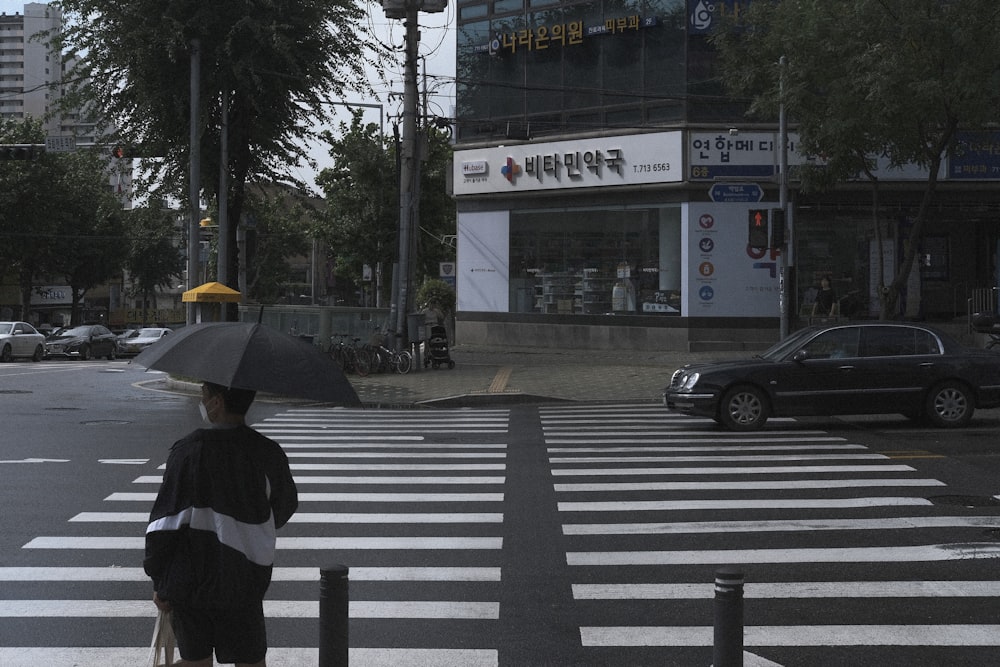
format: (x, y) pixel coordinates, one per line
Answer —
(688, 381)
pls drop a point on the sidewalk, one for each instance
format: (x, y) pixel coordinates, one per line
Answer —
(486, 375)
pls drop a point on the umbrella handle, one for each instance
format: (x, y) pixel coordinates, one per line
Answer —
(260, 315)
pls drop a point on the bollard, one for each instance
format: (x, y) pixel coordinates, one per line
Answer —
(334, 601)
(728, 648)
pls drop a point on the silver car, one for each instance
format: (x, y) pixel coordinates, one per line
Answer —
(20, 339)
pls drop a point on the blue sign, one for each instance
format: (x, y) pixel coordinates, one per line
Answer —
(727, 193)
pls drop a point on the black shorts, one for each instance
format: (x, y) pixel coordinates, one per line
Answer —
(237, 635)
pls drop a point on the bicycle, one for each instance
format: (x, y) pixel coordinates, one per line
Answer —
(350, 358)
(384, 359)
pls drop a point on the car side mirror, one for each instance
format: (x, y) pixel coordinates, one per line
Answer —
(800, 356)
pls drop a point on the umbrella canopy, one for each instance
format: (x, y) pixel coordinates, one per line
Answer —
(251, 356)
(211, 293)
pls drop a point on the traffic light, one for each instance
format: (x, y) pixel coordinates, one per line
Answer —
(21, 151)
(758, 228)
(777, 227)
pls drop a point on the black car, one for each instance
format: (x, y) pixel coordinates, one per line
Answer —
(82, 342)
(857, 368)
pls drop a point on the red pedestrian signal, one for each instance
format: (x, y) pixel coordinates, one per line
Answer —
(758, 236)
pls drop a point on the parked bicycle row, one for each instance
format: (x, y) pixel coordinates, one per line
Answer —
(363, 359)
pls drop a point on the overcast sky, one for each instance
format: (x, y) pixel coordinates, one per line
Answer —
(437, 46)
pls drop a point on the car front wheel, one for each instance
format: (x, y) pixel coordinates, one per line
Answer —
(743, 409)
(6, 354)
(950, 404)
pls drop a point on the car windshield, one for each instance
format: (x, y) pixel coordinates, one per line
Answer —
(149, 333)
(782, 349)
(74, 331)
(5, 327)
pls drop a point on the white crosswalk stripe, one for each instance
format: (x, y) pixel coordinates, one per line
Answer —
(642, 466)
(442, 474)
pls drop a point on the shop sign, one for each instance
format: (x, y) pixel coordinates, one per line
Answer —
(596, 162)
(714, 155)
(57, 295)
(977, 156)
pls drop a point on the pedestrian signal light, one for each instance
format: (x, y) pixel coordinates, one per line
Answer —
(758, 228)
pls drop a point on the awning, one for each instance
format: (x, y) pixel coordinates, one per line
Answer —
(211, 293)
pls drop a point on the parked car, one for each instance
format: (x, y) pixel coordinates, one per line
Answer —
(857, 368)
(143, 339)
(82, 342)
(20, 339)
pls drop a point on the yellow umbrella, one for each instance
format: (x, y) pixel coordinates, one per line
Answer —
(211, 293)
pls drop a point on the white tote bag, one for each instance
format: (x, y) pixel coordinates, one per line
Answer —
(161, 650)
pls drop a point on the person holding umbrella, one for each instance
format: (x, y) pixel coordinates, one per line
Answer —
(210, 541)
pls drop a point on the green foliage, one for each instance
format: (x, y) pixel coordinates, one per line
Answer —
(58, 217)
(434, 293)
(279, 62)
(360, 224)
(279, 231)
(153, 259)
(894, 79)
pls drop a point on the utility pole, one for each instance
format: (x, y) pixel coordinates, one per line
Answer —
(194, 178)
(409, 171)
(785, 262)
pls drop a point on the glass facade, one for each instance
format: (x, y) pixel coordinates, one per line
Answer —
(529, 68)
(595, 261)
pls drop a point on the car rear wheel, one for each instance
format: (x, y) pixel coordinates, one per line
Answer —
(85, 353)
(112, 354)
(950, 404)
(39, 353)
(743, 408)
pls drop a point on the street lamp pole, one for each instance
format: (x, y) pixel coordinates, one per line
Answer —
(194, 177)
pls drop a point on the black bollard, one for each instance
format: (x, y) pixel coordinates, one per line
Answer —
(728, 650)
(334, 602)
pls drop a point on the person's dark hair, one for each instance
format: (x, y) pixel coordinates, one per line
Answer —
(236, 400)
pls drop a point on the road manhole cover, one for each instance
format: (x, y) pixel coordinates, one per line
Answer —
(965, 501)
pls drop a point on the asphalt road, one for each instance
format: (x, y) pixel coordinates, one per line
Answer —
(559, 534)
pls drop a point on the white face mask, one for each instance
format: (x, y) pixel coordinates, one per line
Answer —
(204, 413)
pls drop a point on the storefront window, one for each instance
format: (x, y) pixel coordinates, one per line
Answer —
(595, 261)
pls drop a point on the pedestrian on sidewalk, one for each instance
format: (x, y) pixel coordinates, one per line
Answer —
(211, 537)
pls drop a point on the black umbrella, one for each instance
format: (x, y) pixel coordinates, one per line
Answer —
(250, 356)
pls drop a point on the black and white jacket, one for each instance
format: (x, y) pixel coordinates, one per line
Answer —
(211, 535)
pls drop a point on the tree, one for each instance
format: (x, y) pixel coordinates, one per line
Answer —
(360, 224)
(279, 229)
(894, 78)
(154, 259)
(277, 61)
(57, 217)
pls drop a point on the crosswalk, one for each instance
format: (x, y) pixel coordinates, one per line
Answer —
(808, 518)
(411, 501)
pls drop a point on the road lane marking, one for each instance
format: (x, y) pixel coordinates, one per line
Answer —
(30, 656)
(326, 479)
(484, 574)
(731, 470)
(799, 635)
(289, 543)
(792, 590)
(740, 504)
(423, 609)
(769, 485)
(923, 553)
(320, 517)
(784, 525)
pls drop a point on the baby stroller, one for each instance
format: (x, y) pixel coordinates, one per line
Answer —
(437, 348)
(986, 323)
